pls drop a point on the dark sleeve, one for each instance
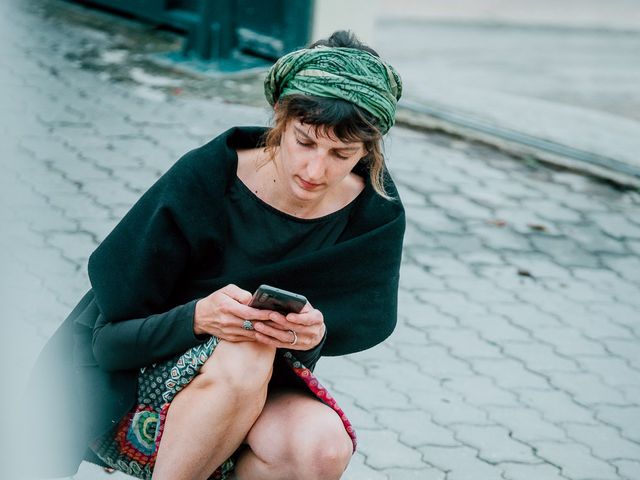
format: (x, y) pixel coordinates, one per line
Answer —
(140, 342)
(136, 269)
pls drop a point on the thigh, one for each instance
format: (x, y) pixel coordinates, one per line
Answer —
(294, 421)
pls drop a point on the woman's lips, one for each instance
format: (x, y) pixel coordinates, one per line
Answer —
(308, 185)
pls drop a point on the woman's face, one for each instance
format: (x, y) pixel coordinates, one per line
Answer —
(314, 165)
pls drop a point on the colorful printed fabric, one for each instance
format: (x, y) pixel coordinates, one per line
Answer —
(132, 445)
(350, 74)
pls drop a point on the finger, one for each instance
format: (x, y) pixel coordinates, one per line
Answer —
(267, 340)
(312, 317)
(245, 312)
(237, 293)
(282, 336)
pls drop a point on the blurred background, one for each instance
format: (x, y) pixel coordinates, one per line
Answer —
(517, 353)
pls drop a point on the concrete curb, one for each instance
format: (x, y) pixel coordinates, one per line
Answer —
(417, 115)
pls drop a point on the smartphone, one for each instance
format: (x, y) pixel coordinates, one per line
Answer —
(272, 298)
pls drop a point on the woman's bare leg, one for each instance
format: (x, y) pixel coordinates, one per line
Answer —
(209, 419)
(296, 436)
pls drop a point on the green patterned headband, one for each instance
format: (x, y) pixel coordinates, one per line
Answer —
(338, 72)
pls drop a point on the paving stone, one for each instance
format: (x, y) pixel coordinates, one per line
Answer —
(551, 210)
(383, 450)
(480, 290)
(76, 246)
(540, 358)
(432, 220)
(537, 264)
(569, 342)
(448, 408)
(465, 343)
(483, 257)
(583, 202)
(575, 461)
(403, 377)
(415, 239)
(459, 206)
(510, 374)
(587, 389)
(596, 327)
(411, 198)
(604, 441)
(577, 291)
(373, 393)
(422, 183)
(627, 267)
(460, 463)
(405, 333)
(526, 424)
(494, 444)
(539, 309)
(443, 263)
(513, 188)
(358, 470)
(453, 303)
(77, 207)
(556, 407)
(615, 371)
(627, 349)
(499, 238)
(426, 316)
(497, 329)
(617, 312)
(435, 361)
(459, 242)
(525, 222)
(633, 245)
(429, 473)
(616, 225)
(630, 470)
(412, 275)
(415, 428)
(517, 471)
(481, 391)
(565, 251)
(627, 419)
(592, 240)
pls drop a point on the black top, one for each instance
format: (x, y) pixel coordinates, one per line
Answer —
(259, 234)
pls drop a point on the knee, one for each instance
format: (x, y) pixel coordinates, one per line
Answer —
(326, 457)
(319, 455)
(244, 368)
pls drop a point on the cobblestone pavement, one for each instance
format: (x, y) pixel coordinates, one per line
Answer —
(517, 352)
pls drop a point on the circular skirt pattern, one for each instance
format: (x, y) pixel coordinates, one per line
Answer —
(132, 445)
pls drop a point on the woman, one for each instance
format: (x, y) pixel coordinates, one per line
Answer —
(175, 376)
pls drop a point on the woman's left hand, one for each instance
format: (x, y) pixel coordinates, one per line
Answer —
(294, 331)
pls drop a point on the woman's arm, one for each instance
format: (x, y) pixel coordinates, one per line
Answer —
(135, 343)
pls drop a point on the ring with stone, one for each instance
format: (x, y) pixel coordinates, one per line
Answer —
(247, 325)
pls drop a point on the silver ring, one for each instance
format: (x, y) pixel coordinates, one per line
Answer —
(247, 325)
(295, 338)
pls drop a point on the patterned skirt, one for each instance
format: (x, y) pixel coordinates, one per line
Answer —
(132, 445)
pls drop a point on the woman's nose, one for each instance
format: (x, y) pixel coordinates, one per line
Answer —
(316, 166)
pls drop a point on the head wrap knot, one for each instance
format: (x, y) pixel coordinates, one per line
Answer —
(350, 74)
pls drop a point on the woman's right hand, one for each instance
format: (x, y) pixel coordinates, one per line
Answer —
(222, 314)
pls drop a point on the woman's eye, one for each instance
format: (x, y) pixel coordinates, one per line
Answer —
(342, 157)
(303, 144)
